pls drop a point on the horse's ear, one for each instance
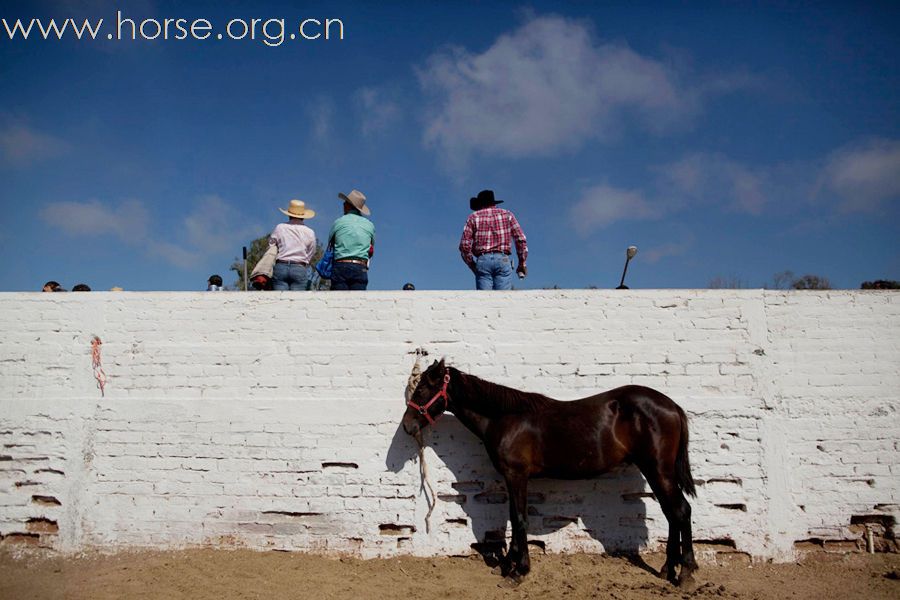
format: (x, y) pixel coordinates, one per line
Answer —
(441, 364)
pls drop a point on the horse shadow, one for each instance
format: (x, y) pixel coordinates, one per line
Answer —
(607, 514)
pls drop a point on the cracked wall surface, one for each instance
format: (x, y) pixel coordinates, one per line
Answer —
(270, 420)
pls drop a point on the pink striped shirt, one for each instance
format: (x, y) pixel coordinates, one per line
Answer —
(296, 242)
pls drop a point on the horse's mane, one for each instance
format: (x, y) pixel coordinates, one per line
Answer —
(493, 399)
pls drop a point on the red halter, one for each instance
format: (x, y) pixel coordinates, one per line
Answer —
(423, 409)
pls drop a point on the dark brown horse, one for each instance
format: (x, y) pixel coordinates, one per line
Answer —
(530, 435)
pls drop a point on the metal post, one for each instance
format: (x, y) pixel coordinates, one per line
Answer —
(629, 254)
(625, 270)
(246, 287)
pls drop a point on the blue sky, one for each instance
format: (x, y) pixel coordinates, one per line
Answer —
(722, 139)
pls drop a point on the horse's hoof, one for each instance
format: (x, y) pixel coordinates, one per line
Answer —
(663, 571)
(510, 582)
(687, 583)
(498, 570)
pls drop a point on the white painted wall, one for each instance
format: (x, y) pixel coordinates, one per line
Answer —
(270, 420)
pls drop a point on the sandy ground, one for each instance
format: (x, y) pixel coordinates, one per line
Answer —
(215, 574)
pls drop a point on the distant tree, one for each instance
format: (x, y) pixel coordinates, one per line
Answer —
(880, 284)
(782, 280)
(255, 252)
(726, 283)
(811, 282)
(786, 280)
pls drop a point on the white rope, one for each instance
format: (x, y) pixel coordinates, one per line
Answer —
(414, 377)
(426, 482)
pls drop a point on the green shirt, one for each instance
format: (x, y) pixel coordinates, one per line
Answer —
(353, 234)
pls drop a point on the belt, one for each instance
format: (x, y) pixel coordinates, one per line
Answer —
(496, 252)
(355, 261)
(292, 262)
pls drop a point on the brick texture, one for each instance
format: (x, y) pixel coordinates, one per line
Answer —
(270, 420)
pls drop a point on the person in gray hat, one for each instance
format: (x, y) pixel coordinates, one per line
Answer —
(353, 237)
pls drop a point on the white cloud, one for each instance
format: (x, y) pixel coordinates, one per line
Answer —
(321, 119)
(548, 87)
(212, 227)
(696, 180)
(860, 177)
(712, 178)
(657, 253)
(864, 175)
(602, 205)
(127, 221)
(377, 110)
(22, 145)
(174, 254)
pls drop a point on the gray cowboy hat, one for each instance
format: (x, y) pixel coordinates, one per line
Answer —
(357, 199)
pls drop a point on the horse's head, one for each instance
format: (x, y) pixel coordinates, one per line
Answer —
(429, 400)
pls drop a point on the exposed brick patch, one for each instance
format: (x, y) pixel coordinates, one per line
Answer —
(45, 500)
(394, 529)
(41, 525)
(740, 507)
(491, 497)
(293, 444)
(18, 537)
(637, 496)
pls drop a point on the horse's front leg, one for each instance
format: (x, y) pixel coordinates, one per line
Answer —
(519, 562)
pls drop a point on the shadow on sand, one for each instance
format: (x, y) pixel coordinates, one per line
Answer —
(607, 514)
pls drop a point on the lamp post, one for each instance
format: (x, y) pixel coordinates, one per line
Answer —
(629, 254)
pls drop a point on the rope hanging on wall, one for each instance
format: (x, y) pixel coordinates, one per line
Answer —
(414, 377)
(423, 473)
(99, 375)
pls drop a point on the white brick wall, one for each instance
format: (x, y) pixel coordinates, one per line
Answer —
(270, 420)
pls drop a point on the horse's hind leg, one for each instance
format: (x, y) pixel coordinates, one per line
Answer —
(667, 494)
(689, 563)
(680, 521)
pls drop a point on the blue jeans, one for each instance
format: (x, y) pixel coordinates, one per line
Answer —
(287, 276)
(349, 276)
(493, 272)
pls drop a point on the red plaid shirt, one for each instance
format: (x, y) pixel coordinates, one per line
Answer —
(491, 230)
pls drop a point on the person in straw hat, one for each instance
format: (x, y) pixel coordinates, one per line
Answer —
(296, 245)
(353, 236)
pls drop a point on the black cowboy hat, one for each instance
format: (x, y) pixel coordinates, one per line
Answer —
(483, 199)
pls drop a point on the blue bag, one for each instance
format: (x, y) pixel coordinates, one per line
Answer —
(325, 266)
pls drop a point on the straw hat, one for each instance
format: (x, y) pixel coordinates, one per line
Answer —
(298, 210)
(357, 199)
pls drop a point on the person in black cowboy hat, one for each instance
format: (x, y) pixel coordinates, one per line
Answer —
(486, 243)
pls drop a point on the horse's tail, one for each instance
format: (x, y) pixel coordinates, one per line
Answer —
(682, 464)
